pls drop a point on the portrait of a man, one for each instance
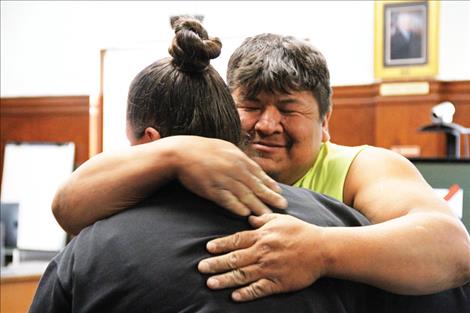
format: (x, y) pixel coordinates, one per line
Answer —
(405, 34)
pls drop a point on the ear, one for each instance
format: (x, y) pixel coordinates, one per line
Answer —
(324, 127)
(150, 134)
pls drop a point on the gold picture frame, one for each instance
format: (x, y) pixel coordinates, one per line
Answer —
(406, 39)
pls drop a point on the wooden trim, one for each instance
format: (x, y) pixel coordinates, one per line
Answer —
(458, 91)
(462, 86)
(96, 113)
(20, 278)
(355, 91)
(410, 100)
(358, 95)
(353, 102)
(44, 105)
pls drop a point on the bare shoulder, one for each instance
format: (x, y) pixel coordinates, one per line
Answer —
(376, 162)
(383, 184)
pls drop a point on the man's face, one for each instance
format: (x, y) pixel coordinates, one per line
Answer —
(285, 132)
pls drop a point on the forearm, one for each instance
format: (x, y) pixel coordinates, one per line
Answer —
(417, 253)
(108, 183)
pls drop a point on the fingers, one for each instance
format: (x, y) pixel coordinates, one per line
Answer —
(252, 191)
(267, 193)
(258, 221)
(228, 200)
(231, 178)
(248, 199)
(266, 188)
(240, 240)
(264, 178)
(258, 289)
(241, 199)
(235, 278)
(231, 261)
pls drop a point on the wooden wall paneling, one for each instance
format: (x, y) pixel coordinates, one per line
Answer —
(353, 120)
(353, 125)
(399, 117)
(397, 124)
(53, 119)
(362, 116)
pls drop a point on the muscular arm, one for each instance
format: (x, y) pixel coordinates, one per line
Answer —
(212, 168)
(108, 183)
(416, 245)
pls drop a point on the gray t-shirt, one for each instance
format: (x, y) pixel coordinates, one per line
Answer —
(145, 259)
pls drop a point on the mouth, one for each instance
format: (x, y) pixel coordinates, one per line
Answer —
(269, 144)
(267, 147)
(264, 146)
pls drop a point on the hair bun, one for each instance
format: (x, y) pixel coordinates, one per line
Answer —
(191, 48)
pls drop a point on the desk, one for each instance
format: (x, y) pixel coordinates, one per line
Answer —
(18, 286)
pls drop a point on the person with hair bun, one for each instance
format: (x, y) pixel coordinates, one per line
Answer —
(281, 87)
(183, 94)
(145, 259)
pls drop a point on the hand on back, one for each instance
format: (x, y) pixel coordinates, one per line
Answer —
(219, 171)
(283, 254)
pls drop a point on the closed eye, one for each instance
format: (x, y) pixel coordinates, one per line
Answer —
(249, 108)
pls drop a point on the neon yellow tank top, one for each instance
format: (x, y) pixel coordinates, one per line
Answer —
(328, 173)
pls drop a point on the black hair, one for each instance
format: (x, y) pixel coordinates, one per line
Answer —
(184, 94)
(279, 64)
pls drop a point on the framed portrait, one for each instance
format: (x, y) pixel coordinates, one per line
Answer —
(406, 39)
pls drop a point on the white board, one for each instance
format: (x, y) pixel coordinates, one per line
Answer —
(32, 173)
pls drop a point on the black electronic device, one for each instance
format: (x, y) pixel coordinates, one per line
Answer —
(9, 219)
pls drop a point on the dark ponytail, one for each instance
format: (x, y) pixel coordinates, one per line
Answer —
(184, 94)
(192, 49)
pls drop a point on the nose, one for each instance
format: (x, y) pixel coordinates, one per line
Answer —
(269, 121)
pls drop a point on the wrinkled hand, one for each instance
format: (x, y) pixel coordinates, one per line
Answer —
(217, 170)
(282, 255)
